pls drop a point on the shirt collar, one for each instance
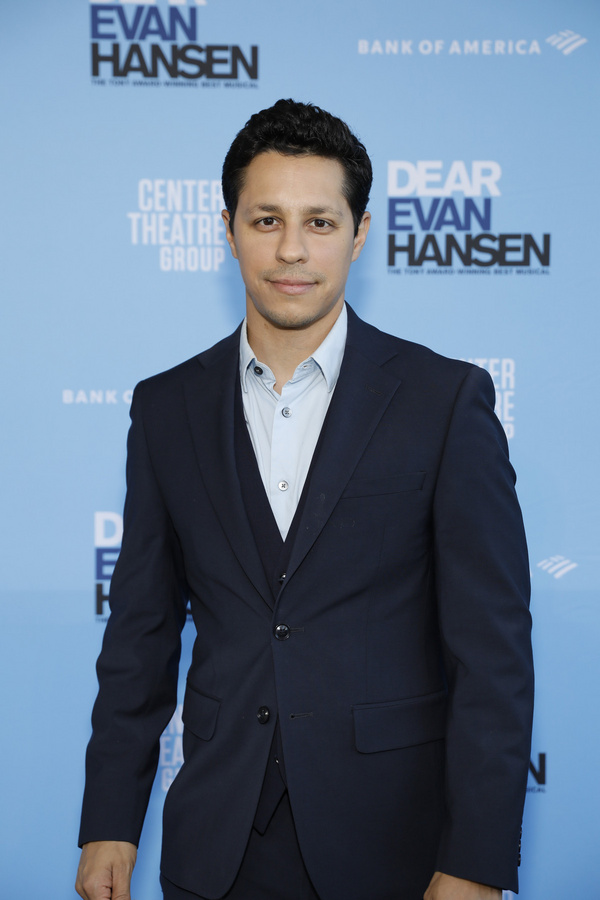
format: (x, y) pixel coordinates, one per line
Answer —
(328, 355)
(247, 357)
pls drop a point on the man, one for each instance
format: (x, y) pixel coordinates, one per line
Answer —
(339, 507)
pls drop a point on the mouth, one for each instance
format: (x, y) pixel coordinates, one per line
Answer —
(292, 286)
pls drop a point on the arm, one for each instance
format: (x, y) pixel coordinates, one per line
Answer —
(138, 665)
(482, 588)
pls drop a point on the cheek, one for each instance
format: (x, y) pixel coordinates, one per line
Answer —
(331, 259)
(255, 256)
(248, 264)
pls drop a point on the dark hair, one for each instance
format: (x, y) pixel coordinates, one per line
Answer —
(298, 129)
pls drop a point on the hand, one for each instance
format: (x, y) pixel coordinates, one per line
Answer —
(105, 869)
(447, 887)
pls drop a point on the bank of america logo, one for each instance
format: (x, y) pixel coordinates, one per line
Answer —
(557, 566)
(566, 41)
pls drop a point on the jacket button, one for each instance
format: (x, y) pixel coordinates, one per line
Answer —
(282, 632)
(263, 715)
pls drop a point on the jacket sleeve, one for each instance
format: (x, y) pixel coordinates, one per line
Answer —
(138, 665)
(482, 588)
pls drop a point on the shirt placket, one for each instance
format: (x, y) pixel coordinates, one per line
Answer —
(286, 447)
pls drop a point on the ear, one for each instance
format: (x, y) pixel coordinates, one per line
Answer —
(229, 233)
(361, 235)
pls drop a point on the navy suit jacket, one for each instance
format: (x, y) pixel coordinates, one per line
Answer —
(404, 690)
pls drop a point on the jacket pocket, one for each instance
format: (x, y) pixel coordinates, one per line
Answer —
(399, 723)
(200, 713)
(391, 484)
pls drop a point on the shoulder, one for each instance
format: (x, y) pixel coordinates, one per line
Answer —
(205, 365)
(412, 362)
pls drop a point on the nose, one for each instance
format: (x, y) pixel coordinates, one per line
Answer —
(292, 248)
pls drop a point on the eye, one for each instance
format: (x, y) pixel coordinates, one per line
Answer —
(321, 224)
(267, 221)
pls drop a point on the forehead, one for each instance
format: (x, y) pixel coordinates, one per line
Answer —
(276, 179)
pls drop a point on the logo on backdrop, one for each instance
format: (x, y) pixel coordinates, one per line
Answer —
(171, 750)
(162, 44)
(437, 47)
(440, 222)
(182, 219)
(566, 41)
(170, 2)
(537, 775)
(502, 371)
(557, 566)
(108, 533)
(95, 397)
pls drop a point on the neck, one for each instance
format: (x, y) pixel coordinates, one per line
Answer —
(283, 349)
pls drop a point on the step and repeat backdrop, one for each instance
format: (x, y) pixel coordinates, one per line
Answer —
(482, 124)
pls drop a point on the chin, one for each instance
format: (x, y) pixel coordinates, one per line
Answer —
(292, 322)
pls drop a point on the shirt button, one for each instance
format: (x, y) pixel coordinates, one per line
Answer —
(258, 370)
(286, 412)
(263, 715)
(283, 485)
(282, 632)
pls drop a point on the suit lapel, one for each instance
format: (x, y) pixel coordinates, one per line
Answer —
(362, 394)
(210, 408)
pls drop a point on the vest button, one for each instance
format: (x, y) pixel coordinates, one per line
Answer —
(263, 715)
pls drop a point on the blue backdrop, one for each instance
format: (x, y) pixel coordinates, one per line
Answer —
(482, 123)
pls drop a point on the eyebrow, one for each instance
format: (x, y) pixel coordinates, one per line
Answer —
(307, 210)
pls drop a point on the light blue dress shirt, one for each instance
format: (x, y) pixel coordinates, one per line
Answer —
(284, 428)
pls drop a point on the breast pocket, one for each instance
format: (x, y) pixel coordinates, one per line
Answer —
(386, 484)
(399, 723)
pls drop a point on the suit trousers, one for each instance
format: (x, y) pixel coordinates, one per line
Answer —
(272, 867)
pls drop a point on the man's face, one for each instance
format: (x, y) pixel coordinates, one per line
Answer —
(294, 239)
